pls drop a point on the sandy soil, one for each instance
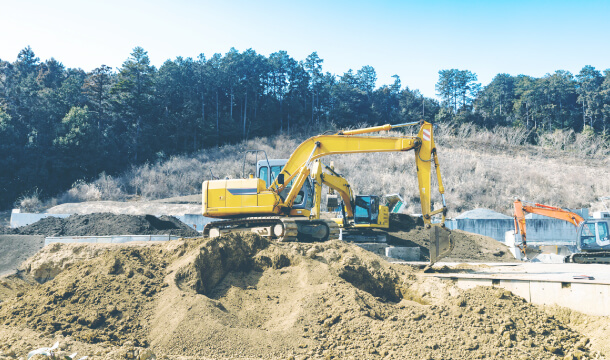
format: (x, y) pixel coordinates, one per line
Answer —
(244, 297)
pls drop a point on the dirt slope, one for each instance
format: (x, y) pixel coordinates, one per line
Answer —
(406, 230)
(243, 297)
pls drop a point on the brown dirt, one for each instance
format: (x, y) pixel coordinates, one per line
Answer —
(101, 224)
(409, 231)
(243, 297)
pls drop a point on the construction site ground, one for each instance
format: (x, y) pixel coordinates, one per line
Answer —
(242, 296)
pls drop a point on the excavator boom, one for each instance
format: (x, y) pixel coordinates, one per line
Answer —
(540, 209)
(298, 166)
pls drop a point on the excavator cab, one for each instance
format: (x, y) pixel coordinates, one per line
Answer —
(366, 210)
(269, 170)
(593, 235)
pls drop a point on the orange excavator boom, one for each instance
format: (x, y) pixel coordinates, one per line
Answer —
(540, 209)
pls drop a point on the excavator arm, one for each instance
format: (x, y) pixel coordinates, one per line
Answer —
(533, 208)
(302, 160)
(335, 182)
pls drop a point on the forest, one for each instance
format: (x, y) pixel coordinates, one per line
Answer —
(59, 125)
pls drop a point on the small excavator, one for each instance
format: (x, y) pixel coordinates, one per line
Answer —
(352, 212)
(592, 237)
(281, 207)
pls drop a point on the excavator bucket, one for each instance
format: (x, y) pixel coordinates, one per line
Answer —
(441, 243)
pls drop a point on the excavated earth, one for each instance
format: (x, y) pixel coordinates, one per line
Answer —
(241, 296)
(409, 231)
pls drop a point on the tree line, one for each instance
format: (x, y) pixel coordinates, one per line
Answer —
(59, 124)
(559, 100)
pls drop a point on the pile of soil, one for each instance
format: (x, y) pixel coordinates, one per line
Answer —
(240, 296)
(101, 224)
(409, 231)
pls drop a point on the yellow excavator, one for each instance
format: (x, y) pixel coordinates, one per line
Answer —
(358, 211)
(284, 210)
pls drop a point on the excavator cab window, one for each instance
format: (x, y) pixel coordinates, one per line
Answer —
(263, 173)
(366, 210)
(602, 228)
(588, 234)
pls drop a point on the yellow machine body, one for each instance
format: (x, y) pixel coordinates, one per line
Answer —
(226, 198)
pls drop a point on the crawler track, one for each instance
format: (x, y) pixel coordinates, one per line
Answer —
(602, 257)
(277, 228)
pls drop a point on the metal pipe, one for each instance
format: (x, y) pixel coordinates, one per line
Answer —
(385, 127)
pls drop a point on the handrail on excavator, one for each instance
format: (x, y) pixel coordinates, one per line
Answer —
(386, 127)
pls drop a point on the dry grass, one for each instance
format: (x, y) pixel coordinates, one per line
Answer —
(481, 169)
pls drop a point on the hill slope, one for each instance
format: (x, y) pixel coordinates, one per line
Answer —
(480, 169)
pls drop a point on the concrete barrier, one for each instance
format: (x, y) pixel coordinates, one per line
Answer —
(546, 284)
(403, 253)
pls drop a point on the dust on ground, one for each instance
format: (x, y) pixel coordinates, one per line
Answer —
(242, 296)
(409, 231)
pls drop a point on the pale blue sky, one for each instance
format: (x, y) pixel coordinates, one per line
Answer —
(414, 39)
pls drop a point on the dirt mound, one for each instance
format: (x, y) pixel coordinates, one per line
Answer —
(101, 224)
(409, 231)
(99, 300)
(404, 222)
(245, 297)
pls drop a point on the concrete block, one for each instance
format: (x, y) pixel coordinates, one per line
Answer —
(588, 298)
(377, 248)
(359, 237)
(403, 253)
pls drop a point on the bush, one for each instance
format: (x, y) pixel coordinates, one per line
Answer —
(30, 203)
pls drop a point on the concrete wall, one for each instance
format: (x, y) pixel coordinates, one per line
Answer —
(494, 228)
(543, 231)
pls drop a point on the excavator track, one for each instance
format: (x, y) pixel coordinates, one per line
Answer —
(276, 228)
(602, 257)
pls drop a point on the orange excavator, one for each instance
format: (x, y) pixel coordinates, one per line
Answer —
(592, 236)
